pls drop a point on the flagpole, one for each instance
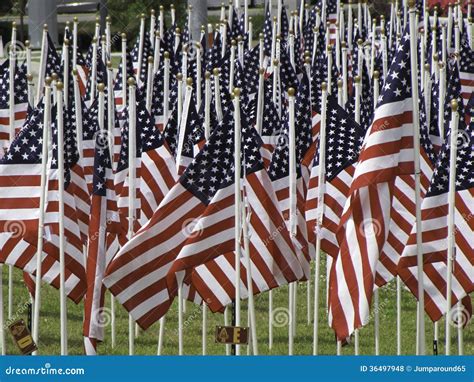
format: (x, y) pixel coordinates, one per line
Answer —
(376, 308)
(416, 144)
(226, 323)
(453, 142)
(198, 76)
(93, 78)
(233, 45)
(110, 114)
(166, 86)
(358, 91)
(248, 264)
(207, 104)
(152, 28)
(149, 84)
(62, 260)
(42, 65)
(124, 70)
(131, 187)
(217, 94)
(11, 121)
(292, 207)
(260, 100)
(140, 48)
(156, 52)
(320, 212)
(42, 203)
(162, 21)
(237, 207)
(250, 33)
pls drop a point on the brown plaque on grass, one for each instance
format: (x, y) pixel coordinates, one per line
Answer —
(232, 335)
(22, 337)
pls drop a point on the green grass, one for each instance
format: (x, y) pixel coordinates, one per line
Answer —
(146, 343)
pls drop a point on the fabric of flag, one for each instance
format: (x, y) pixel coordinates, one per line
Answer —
(268, 31)
(271, 251)
(93, 326)
(343, 141)
(20, 191)
(20, 105)
(141, 68)
(434, 225)
(387, 153)
(466, 70)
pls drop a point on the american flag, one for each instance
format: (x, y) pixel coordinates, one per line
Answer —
(434, 224)
(100, 222)
(387, 153)
(118, 83)
(20, 107)
(272, 254)
(21, 176)
(466, 70)
(141, 68)
(343, 141)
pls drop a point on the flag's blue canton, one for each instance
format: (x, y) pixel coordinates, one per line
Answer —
(28, 144)
(271, 124)
(303, 117)
(466, 62)
(453, 91)
(470, 105)
(285, 25)
(20, 85)
(397, 86)
(267, 31)
(102, 163)
(308, 34)
(147, 51)
(53, 62)
(90, 121)
(170, 131)
(344, 139)
(213, 168)
(143, 119)
(288, 76)
(251, 65)
(434, 128)
(464, 163)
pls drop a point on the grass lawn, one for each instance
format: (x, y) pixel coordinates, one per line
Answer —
(146, 342)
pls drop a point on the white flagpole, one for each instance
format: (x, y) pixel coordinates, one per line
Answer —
(156, 53)
(292, 49)
(94, 69)
(62, 260)
(152, 28)
(217, 94)
(460, 308)
(260, 100)
(320, 213)
(140, 48)
(198, 75)
(226, 323)
(161, 335)
(372, 48)
(345, 95)
(292, 209)
(207, 105)
(166, 86)
(11, 120)
(248, 264)
(250, 33)
(162, 21)
(74, 42)
(399, 316)
(453, 142)
(237, 206)
(329, 74)
(108, 40)
(246, 17)
(110, 111)
(358, 92)
(441, 96)
(376, 307)
(124, 70)
(44, 185)
(31, 86)
(42, 65)
(233, 45)
(149, 84)
(416, 144)
(204, 328)
(131, 187)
